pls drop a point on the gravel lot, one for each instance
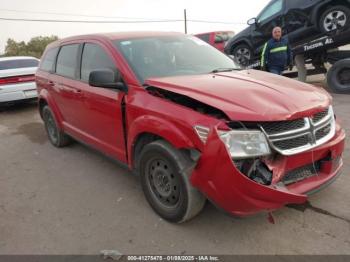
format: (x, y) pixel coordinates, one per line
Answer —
(76, 201)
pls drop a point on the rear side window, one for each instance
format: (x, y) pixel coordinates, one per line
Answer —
(47, 62)
(94, 57)
(18, 63)
(67, 60)
(204, 37)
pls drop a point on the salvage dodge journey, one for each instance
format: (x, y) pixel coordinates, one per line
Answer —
(192, 124)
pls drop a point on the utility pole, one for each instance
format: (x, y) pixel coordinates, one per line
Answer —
(185, 19)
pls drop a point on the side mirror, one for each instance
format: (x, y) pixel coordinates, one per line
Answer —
(252, 21)
(106, 78)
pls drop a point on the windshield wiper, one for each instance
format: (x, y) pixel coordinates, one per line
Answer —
(228, 69)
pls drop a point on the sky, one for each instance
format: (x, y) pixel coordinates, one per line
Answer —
(233, 12)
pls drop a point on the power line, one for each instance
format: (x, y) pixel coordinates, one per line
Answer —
(138, 19)
(74, 14)
(88, 21)
(115, 21)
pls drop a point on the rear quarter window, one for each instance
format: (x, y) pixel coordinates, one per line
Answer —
(66, 64)
(18, 63)
(48, 61)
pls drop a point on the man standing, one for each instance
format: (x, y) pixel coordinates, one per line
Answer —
(276, 55)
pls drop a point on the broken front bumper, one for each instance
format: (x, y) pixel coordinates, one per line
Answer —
(217, 177)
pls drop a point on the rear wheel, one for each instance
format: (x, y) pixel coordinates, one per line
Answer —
(335, 18)
(242, 54)
(165, 174)
(56, 136)
(338, 76)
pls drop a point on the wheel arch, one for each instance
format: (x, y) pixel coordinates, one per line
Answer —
(46, 99)
(322, 7)
(242, 41)
(146, 130)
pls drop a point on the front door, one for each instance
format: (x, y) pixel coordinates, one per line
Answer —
(102, 107)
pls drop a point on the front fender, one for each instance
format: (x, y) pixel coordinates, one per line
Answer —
(157, 126)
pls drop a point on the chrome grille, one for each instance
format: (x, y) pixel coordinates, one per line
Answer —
(292, 137)
(324, 131)
(319, 116)
(293, 142)
(282, 126)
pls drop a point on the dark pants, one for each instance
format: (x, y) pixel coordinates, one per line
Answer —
(276, 70)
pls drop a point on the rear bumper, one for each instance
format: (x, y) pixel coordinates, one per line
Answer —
(15, 92)
(218, 178)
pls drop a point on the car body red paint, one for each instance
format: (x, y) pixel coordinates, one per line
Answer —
(95, 116)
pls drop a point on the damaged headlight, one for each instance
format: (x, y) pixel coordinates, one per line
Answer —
(245, 144)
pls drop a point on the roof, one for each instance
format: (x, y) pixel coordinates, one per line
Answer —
(116, 36)
(7, 58)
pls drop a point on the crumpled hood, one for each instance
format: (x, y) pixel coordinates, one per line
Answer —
(249, 95)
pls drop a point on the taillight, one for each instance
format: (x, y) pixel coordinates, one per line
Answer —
(17, 79)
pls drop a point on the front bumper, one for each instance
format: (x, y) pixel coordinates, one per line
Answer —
(218, 178)
(16, 92)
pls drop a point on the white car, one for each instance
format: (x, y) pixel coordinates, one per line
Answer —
(17, 78)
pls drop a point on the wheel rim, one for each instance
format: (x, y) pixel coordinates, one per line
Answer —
(242, 55)
(51, 127)
(334, 20)
(162, 182)
(343, 77)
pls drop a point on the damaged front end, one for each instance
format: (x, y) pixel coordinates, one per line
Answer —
(243, 185)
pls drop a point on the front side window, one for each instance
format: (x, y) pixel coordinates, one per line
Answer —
(172, 56)
(18, 63)
(271, 10)
(48, 60)
(94, 57)
(67, 60)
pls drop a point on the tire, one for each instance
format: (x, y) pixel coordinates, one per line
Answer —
(242, 54)
(56, 136)
(335, 18)
(164, 173)
(338, 76)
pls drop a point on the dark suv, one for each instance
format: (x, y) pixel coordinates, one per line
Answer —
(299, 20)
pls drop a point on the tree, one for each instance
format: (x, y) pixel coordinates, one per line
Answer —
(35, 47)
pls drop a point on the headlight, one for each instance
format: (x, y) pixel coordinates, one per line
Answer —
(245, 144)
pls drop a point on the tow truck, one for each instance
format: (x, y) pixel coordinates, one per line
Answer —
(323, 49)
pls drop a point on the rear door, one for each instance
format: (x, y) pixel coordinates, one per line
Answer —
(101, 115)
(65, 87)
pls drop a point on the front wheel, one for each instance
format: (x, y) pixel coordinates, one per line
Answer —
(335, 18)
(242, 54)
(165, 173)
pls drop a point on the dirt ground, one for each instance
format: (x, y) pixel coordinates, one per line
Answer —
(76, 201)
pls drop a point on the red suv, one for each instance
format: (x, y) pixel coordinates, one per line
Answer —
(193, 125)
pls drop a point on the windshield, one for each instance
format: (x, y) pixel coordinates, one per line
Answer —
(173, 56)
